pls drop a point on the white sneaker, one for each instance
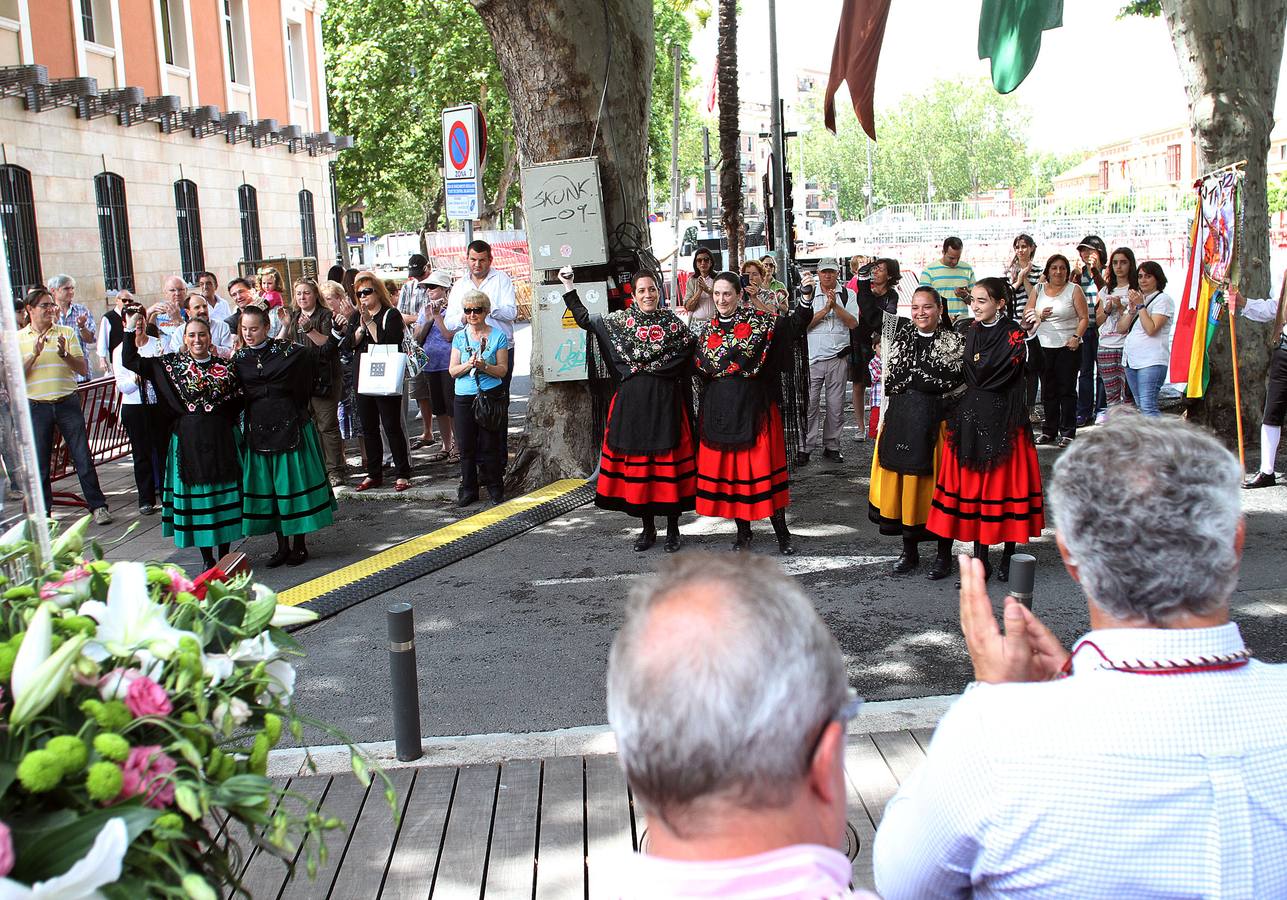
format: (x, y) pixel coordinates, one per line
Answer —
(1102, 417)
(102, 516)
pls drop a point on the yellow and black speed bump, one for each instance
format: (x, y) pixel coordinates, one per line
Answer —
(336, 591)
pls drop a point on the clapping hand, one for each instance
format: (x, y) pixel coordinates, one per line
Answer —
(567, 278)
(62, 345)
(344, 308)
(81, 319)
(1026, 651)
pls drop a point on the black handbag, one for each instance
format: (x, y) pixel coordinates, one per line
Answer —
(489, 407)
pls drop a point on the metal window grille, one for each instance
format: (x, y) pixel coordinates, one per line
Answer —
(114, 232)
(188, 211)
(251, 245)
(87, 20)
(307, 224)
(18, 213)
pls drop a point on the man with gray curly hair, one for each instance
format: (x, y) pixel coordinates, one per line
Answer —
(1152, 760)
(729, 701)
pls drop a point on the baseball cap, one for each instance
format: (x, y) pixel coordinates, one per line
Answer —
(1092, 242)
(439, 278)
(417, 263)
(828, 265)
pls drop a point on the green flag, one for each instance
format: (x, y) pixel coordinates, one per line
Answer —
(1010, 35)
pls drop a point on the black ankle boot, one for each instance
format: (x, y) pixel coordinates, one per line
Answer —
(1003, 570)
(646, 539)
(910, 558)
(282, 554)
(942, 561)
(786, 545)
(743, 536)
(672, 535)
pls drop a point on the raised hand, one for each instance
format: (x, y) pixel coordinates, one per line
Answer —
(1026, 651)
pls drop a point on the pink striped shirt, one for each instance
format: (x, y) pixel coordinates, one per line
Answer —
(800, 872)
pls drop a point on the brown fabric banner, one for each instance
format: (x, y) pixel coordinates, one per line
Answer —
(857, 53)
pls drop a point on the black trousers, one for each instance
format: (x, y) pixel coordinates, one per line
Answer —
(480, 450)
(1059, 369)
(147, 447)
(1276, 395)
(1032, 375)
(1089, 385)
(375, 412)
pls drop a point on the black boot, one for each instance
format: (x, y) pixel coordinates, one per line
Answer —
(648, 536)
(785, 545)
(283, 552)
(743, 535)
(299, 553)
(224, 550)
(942, 561)
(1003, 570)
(672, 534)
(911, 557)
(207, 557)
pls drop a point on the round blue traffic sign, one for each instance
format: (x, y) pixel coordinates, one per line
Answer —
(458, 145)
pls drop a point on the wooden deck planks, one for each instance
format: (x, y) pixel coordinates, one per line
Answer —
(465, 844)
(267, 873)
(373, 839)
(560, 854)
(344, 800)
(424, 818)
(608, 829)
(870, 775)
(900, 751)
(511, 865)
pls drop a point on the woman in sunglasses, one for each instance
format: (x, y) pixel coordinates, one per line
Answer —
(377, 322)
(479, 361)
(698, 299)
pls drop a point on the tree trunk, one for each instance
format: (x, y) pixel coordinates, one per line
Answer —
(1229, 55)
(730, 166)
(552, 56)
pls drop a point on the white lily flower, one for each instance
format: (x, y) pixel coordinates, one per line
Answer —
(130, 623)
(99, 867)
(217, 667)
(238, 709)
(257, 649)
(291, 615)
(281, 679)
(33, 651)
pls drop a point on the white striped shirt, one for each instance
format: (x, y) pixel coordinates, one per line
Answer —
(1105, 784)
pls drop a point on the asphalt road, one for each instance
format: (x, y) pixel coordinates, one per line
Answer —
(516, 638)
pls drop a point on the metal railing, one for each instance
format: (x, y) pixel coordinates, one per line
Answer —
(101, 404)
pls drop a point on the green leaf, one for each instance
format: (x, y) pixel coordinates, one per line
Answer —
(360, 768)
(259, 612)
(8, 771)
(186, 799)
(189, 753)
(242, 790)
(54, 851)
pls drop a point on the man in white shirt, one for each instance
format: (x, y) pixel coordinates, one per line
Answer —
(220, 333)
(729, 701)
(1271, 426)
(1159, 767)
(208, 286)
(828, 339)
(141, 416)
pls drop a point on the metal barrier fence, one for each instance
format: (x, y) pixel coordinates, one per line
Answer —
(101, 404)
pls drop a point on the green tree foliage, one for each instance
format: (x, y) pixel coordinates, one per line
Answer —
(968, 136)
(1278, 195)
(393, 66)
(673, 28)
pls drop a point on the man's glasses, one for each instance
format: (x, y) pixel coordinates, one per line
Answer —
(472, 310)
(46, 306)
(366, 292)
(847, 712)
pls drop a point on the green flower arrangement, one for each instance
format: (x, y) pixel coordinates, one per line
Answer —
(137, 711)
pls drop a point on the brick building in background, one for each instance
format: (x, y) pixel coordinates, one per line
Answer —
(145, 138)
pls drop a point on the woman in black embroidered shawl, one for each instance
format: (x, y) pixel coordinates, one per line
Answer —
(647, 467)
(741, 456)
(201, 496)
(285, 490)
(922, 365)
(989, 483)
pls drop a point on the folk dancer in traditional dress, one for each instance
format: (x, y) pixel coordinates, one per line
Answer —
(285, 490)
(1271, 425)
(741, 454)
(921, 370)
(201, 491)
(648, 465)
(989, 484)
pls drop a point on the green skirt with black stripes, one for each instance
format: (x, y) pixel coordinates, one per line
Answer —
(287, 491)
(199, 515)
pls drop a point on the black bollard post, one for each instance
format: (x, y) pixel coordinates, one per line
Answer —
(1023, 577)
(402, 677)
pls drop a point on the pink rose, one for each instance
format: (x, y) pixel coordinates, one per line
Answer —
(655, 333)
(145, 772)
(6, 850)
(115, 684)
(641, 333)
(70, 590)
(179, 584)
(144, 697)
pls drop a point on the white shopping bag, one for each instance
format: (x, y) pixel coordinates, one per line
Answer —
(382, 368)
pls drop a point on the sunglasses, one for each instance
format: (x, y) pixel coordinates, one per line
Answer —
(847, 712)
(470, 310)
(366, 292)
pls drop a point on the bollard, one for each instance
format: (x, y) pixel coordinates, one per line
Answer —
(402, 677)
(1023, 577)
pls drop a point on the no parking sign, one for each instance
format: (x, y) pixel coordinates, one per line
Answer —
(464, 149)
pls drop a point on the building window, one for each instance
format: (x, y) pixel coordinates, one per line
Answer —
(234, 28)
(248, 201)
(355, 222)
(307, 224)
(114, 232)
(174, 33)
(18, 214)
(191, 250)
(96, 22)
(1173, 162)
(87, 20)
(296, 71)
(1103, 175)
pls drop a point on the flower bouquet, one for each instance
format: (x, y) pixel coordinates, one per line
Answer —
(137, 710)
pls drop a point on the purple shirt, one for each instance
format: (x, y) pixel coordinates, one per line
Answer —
(799, 872)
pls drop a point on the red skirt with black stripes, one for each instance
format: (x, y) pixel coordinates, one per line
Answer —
(664, 484)
(993, 507)
(749, 483)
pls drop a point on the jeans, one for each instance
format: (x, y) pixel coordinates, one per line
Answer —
(1059, 367)
(1144, 384)
(140, 421)
(480, 451)
(1088, 385)
(70, 419)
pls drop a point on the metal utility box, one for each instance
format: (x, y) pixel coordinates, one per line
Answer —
(559, 348)
(563, 209)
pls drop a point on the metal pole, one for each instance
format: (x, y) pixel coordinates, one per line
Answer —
(779, 152)
(402, 679)
(706, 152)
(674, 179)
(871, 183)
(469, 233)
